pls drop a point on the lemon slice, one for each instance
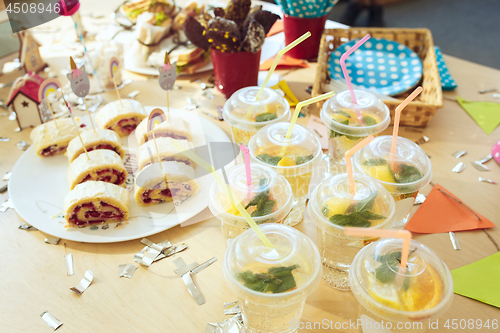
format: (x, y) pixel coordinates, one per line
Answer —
(286, 161)
(425, 290)
(336, 206)
(382, 172)
(340, 118)
(386, 294)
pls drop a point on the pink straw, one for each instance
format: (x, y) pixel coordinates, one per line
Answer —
(247, 169)
(346, 75)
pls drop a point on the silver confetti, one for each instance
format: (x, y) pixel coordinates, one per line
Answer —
(419, 199)
(138, 256)
(4, 139)
(26, 226)
(459, 153)
(133, 94)
(485, 91)
(497, 95)
(13, 116)
(124, 83)
(17, 130)
(153, 250)
(50, 320)
(52, 240)
(6, 205)
(480, 166)
(84, 283)
(126, 270)
(191, 104)
(177, 87)
(205, 86)
(486, 180)
(231, 325)
(7, 175)
(459, 167)
(68, 260)
(185, 271)
(454, 241)
(193, 290)
(485, 159)
(422, 140)
(220, 109)
(208, 94)
(22, 145)
(171, 251)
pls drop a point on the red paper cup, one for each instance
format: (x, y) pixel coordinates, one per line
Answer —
(297, 26)
(234, 71)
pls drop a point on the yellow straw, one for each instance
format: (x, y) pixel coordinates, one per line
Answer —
(397, 116)
(297, 111)
(405, 235)
(207, 166)
(273, 67)
(348, 163)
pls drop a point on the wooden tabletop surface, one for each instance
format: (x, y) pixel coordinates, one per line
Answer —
(33, 275)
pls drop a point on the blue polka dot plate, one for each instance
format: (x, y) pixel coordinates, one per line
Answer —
(381, 65)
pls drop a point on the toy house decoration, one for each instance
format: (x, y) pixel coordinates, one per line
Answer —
(30, 55)
(24, 100)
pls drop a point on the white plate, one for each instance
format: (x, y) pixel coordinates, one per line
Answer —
(38, 186)
(270, 48)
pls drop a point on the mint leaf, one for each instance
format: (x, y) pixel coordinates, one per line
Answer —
(265, 207)
(303, 159)
(408, 174)
(366, 204)
(374, 162)
(272, 160)
(351, 220)
(344, 114)
(370, 216)
(369, 121)
(266, 116)
(384, 273)
(276, 280)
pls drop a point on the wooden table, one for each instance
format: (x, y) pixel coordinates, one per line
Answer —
(33, 276)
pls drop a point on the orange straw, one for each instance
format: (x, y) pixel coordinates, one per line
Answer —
(348, 163)
(396, 122)
(405, 235)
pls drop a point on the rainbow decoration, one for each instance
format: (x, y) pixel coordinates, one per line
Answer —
(156, 117)
(48, 86)
(114, 63)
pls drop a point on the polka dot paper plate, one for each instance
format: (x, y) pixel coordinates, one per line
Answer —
(381, 65)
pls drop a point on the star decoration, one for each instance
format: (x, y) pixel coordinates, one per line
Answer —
(25, 104)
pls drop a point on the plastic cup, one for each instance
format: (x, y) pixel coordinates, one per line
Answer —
(271, 305)
(332, 207)
(413, 171)
(241, 102)
(399, 302)
(234, 71)
(302, 152)
(294, 27)
(266, 183)
(339, 115)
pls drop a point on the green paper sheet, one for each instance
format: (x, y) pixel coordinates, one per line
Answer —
(485, 114)
(479, 280)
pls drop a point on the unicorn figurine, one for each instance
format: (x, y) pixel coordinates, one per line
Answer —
(79, 80)
(168, 74)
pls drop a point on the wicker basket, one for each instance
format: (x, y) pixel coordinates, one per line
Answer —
(420, 111)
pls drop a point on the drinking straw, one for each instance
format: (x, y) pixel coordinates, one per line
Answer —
(273, 67)
(247, 169)
(207, 166)
(348, 163)
(297, 111)
(74, 123)
(395, 131)
(405, 235)
(346, 74)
